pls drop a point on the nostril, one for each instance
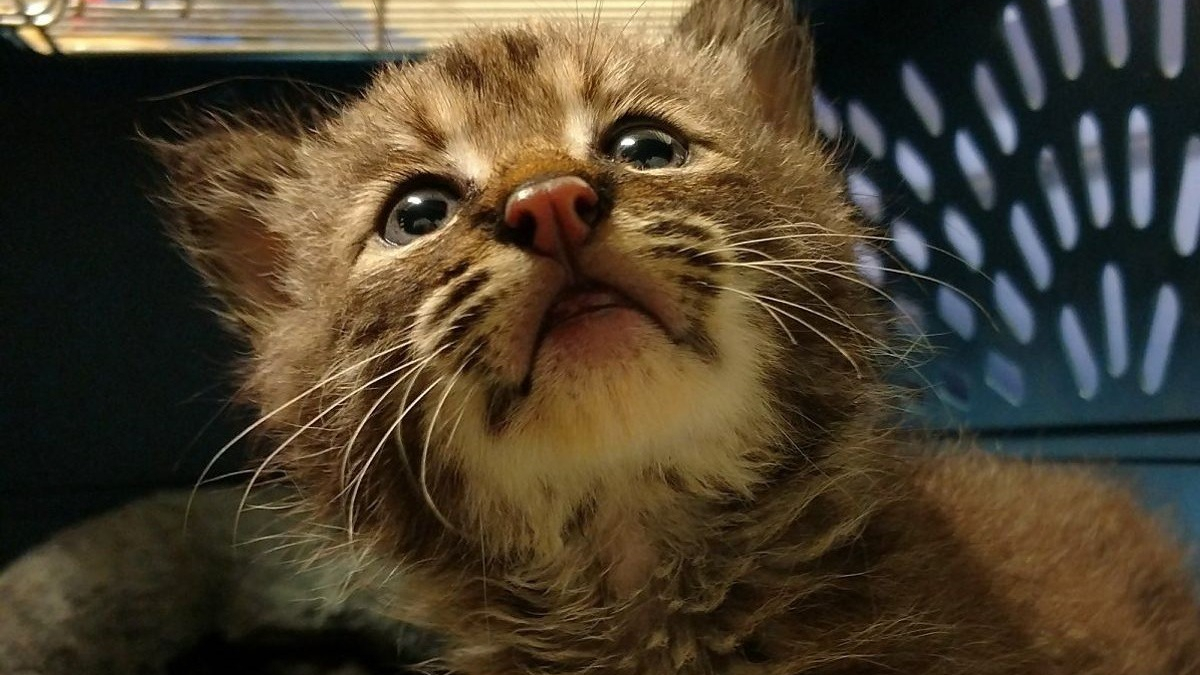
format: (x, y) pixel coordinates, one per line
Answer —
(586, 208)
(523, 229)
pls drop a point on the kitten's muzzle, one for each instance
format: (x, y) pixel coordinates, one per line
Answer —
(552, 217)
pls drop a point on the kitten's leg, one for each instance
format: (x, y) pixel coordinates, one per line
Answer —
(128, 591)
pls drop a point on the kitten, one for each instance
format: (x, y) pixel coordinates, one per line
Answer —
(563, 324)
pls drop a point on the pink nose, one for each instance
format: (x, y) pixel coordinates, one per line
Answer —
(552, 217)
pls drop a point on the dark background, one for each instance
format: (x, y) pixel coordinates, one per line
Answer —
(112, 381)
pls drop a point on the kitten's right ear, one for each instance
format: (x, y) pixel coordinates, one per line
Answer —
(776, 50)
(222, 181)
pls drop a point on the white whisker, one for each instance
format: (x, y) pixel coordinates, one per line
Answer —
(290, 402)
(355, 484)
(414, 366)
(832, 343)
(325, 410)
(423, 469)
(796, 282)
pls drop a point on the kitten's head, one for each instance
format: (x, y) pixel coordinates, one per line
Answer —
(545, 269)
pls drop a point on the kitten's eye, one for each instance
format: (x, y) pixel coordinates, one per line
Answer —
(646, 147)
(418, 212)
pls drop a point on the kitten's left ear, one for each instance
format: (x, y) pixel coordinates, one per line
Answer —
(776, 49)
(223, 178)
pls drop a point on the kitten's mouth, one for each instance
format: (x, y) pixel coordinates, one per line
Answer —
(590, 319)
(578, 301)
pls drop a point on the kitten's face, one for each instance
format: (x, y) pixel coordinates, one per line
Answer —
(547, 266)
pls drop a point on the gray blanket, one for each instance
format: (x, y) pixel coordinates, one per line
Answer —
(158, 587)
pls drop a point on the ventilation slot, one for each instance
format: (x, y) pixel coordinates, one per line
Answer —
(1162, 339)
(1116, 327)
(870, 264)
(956, 312)
(922, 98)
(910, 244)
(865, 194)
(1091, 163)
(1079, 353)
(915, 170)
(912, 317)
(866, 129)
(1116, 31)
(1004, 125)
(1141, 169)
(828, 120)
(1187, 210)
(1066, 36)
(1037, 258)
(1014, 308)
(1171, 36)
(963, 238)
(1003, 376)
(1066, 222)
(1024, 59)
(975, 169)
(954, 389)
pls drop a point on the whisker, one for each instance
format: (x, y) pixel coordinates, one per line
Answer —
(423, 469)
(782, 237)
(413, 364)
(348, 449)
(772, 311)
(798, 263)
(770, 261)
(818, 296)
(885, 239)
(882, 238)
(765, 298)
(356, 483)
(220, 82)
(290, 402)
(362, 473)
(265, 463)
(349, 31)
(616, 43)
(383, 36)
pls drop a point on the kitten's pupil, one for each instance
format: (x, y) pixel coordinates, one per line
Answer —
(647, 148)
(418, 213)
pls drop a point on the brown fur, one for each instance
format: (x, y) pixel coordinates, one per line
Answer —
(729, 500)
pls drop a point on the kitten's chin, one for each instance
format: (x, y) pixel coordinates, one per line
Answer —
(595, 339)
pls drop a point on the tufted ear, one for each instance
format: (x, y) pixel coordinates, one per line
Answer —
(222, 181)
(776, 48)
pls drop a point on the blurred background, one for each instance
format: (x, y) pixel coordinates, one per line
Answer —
(1036, 164)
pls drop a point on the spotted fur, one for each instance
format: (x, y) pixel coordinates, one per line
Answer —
(730, 498)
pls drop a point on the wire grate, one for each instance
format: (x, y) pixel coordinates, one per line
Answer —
(247, 26)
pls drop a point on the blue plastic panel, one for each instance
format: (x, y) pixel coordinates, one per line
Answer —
(1041, 159)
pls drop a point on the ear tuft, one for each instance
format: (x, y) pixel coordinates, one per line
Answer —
(775, 47)
(222, 179)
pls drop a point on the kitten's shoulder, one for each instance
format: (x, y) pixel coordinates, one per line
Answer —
(1072, 553)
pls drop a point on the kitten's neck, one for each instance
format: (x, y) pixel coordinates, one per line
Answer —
(799, 503)
(626, 550)
(624, 577)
